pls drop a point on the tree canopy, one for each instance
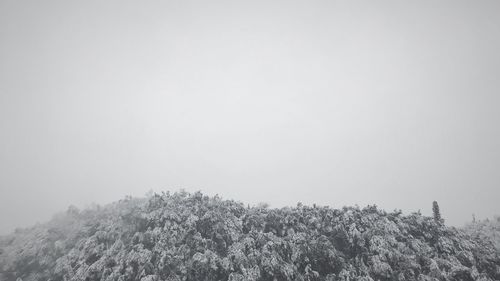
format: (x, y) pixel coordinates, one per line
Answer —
(183, 236)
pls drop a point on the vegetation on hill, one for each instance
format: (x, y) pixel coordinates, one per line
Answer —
(184, 236)
(485, 230)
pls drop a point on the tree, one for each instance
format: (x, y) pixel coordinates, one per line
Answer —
(436, 212)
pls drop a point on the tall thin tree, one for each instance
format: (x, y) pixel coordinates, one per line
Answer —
(436, 212)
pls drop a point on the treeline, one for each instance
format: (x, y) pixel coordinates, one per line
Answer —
(184, 236)
(485, 230)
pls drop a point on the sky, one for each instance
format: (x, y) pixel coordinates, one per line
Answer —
(393, 103)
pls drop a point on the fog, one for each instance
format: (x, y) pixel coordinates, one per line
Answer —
(334, 103)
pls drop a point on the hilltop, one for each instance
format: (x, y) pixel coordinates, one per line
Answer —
(183, 236)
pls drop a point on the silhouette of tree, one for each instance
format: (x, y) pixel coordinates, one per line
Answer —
(436, 212)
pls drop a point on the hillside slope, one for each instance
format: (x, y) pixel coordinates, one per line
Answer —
(184, 236)
(485, 230)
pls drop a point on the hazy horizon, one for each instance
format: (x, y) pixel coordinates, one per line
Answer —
(334, 103)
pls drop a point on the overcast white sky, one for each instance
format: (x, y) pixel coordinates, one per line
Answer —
(394, 103)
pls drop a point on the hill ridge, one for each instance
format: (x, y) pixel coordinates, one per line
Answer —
(191, 236)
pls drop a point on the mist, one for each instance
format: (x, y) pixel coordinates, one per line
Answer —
(325, 102)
